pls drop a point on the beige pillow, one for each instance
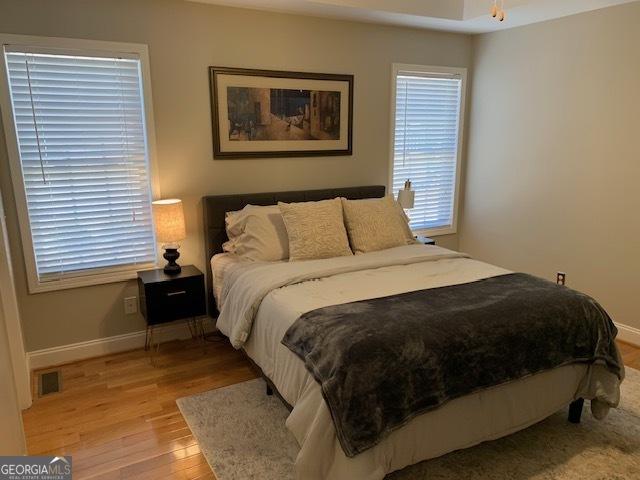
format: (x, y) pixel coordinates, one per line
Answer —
(257, 233)
(375, 224)
(404, 221)
(315, 229)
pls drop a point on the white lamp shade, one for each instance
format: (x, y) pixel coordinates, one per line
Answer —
(406, 198)
(168, 217)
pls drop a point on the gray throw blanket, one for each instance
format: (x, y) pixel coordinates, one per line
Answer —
(383, 361)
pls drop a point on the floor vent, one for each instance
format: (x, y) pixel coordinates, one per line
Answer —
(49, 382)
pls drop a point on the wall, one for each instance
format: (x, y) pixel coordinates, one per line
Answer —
(554, 154)
(10, 311)
(184, 38)
(11, 434)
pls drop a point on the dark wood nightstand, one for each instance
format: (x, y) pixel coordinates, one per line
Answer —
(165, 298)
(425, 240)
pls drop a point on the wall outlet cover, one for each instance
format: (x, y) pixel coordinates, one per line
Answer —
(130, 305)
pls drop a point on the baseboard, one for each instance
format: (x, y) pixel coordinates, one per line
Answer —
(50, 357)
(628, 334)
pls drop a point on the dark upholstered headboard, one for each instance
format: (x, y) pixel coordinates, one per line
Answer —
(215, 208)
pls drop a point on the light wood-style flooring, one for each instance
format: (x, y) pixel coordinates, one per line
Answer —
(630, 354)
(117, 416)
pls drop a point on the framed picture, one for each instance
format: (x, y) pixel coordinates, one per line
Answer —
(264, 113)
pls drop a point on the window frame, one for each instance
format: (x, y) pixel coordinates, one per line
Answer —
(428, 70)
(71, 46)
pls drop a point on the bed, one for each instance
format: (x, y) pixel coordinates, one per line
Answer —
(459, 423)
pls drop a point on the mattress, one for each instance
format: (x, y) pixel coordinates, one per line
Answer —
(461, 423)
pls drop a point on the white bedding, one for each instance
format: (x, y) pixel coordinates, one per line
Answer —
(221, 265)
(262, 301)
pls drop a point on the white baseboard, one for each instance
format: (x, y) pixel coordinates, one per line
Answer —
(50, 357)
(628, 334)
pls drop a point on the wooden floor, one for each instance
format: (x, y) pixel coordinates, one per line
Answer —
(630, 354)
(118, 418)
(117, 415)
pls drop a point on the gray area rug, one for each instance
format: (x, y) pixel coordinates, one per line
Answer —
(242, 434)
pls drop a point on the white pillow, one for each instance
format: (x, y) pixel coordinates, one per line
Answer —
(257, 233)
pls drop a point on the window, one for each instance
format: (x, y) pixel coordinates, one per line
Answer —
(81, 162)
(427, 117)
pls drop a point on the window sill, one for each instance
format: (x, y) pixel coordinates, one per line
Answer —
(435, 232)
(88, 279)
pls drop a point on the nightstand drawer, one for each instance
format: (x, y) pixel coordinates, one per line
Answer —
(173, 300)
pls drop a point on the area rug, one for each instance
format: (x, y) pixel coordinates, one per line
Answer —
(242, 434)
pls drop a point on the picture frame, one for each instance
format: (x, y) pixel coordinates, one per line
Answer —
(271, 113)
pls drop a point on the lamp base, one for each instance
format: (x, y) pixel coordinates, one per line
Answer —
(171, 255)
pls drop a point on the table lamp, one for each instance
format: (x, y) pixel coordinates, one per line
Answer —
(406, 196)
(168, 217)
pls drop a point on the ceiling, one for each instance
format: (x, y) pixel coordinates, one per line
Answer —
(470, 16)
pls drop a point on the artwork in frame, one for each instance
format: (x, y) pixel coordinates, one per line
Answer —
(266, 113)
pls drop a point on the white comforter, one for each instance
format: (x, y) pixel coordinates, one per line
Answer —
(262, 300)
(245, 288)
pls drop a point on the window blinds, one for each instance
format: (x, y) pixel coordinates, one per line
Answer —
(426, 145)
(82, 143)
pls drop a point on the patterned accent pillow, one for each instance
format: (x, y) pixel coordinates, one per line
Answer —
(375, 224)
(315, 229)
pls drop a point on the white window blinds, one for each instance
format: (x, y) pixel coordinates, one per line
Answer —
(81, 135)
(427, 124)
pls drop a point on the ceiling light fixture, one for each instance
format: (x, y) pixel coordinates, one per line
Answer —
(498, 12)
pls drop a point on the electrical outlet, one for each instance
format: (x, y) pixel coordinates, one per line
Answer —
(561, 278)
(130, 305)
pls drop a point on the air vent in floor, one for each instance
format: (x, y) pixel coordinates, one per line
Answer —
(49, 382)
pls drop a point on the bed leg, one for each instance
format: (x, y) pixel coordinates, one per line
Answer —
(575, 410)
(269, 390)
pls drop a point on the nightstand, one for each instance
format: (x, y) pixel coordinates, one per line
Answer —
(165, 298)
(425, 240)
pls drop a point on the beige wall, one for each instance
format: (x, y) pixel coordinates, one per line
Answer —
(184, 38)
(554, 154)
(11, 434)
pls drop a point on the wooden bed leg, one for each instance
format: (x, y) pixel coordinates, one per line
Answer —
(269, 390)
(575, 410)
